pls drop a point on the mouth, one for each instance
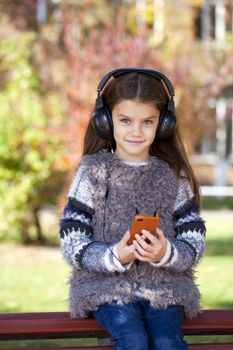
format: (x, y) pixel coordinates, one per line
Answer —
(135, 142)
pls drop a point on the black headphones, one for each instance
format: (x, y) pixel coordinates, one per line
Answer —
(102, 117)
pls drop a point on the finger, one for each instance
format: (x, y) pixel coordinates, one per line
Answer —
(140, 250)
(139, 257)
(131, 248)
(126, 237)
(142, 242)
(150, 236)
(160, 234)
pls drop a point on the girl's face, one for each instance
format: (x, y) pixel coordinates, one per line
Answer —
(134, 129)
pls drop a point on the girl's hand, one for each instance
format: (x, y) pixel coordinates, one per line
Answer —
(125, 251)
(153, 251)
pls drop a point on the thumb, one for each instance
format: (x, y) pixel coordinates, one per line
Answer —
(126, 236)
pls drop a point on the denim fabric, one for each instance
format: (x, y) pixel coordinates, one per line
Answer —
(138, 326)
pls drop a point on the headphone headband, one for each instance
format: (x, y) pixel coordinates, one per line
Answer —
(120, 71)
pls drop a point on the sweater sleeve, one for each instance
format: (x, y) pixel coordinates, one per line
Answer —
(188, 246)
(78, 247)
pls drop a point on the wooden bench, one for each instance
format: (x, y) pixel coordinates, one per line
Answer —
(54, 325)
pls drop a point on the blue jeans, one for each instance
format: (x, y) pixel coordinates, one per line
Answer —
(139, 326)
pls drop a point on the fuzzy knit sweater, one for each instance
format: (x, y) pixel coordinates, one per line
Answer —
(88, 240)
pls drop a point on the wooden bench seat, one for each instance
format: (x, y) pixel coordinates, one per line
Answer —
(52, 325)
(107, 347)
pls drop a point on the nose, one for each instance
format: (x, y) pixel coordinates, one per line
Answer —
(136, 129)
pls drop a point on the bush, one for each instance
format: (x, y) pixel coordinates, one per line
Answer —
(31, 154)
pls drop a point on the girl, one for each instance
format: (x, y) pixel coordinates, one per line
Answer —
(139, 292)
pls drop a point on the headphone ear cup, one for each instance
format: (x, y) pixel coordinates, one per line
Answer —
(102, 123)
(166, 125)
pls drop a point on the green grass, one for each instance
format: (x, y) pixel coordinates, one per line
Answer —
(35, 278)
(215, 270)
(217, 203)
(32, 279)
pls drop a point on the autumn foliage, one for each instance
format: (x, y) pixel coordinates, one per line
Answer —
(60, 63)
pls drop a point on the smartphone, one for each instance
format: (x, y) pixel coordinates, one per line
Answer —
(143, 221)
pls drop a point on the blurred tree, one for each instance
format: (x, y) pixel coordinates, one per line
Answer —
(55, 72)
(121, 41)
(198, 75)
(28, 14)
(31, 155)
(92, 50)
(22, 13)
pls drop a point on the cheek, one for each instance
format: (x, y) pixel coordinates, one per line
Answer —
(156, 126)
(151, 132)
(119, 129)
(117, 133)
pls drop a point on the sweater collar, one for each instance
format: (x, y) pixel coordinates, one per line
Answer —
(116, 160)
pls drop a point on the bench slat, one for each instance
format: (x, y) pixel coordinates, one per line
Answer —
(67, 348)
(191, 347)
(211, 347)
(210, 322)
(59, 325)
(49, 325)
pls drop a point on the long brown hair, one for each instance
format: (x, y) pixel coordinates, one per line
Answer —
(141, 87)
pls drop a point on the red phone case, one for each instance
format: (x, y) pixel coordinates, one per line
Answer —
(143, 221)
